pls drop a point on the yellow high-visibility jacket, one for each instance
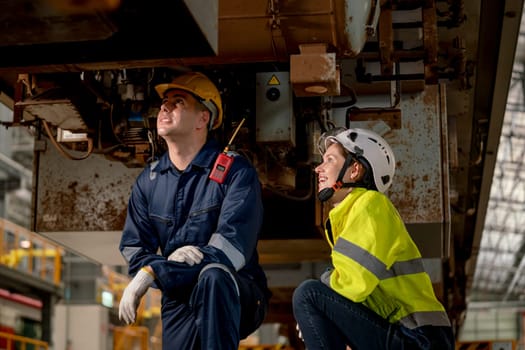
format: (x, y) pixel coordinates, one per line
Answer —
(376, 262)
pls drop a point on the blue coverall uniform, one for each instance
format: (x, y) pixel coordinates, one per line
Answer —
(213, 304)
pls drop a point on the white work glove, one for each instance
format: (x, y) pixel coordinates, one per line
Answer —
(188, 254)
(127, 309)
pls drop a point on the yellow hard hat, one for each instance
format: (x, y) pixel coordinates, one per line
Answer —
(201, 87)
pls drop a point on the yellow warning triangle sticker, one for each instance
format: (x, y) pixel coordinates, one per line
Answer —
(274, 81)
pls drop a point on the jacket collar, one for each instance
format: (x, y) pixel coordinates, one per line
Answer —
(204, 158)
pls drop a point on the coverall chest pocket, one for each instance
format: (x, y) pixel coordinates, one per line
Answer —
(202, 222)
(163, 225)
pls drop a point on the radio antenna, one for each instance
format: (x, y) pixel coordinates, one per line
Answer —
(233, 136)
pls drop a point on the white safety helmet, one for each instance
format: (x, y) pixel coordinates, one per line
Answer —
(366, 145)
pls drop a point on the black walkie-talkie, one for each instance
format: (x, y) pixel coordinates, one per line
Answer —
(224, 160)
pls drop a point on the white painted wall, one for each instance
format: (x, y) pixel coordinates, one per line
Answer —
(85, 325)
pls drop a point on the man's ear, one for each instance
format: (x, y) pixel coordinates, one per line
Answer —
(204, 119)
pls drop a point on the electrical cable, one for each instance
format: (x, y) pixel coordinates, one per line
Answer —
(61, 149)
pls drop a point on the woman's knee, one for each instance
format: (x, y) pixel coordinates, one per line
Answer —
(304, 290)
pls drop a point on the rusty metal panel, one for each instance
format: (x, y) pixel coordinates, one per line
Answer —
(419, 187)
(86, 195)
(419, 192)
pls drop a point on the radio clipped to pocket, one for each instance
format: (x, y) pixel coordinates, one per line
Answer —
(224, 160)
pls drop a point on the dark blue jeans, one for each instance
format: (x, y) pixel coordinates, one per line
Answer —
(330, 321)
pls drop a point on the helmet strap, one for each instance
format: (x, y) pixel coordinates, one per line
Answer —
(327, 193)
(213, 110)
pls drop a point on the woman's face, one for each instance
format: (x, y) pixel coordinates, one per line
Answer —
(328, 171)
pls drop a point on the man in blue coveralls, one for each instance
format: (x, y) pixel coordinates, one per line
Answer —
(192, 236)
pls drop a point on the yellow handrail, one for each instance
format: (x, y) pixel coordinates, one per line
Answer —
(27, 251)
(130, 337)
(12, 339)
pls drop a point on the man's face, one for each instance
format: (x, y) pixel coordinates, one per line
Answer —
(179, 114)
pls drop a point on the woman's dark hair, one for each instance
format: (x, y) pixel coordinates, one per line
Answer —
(368, 177)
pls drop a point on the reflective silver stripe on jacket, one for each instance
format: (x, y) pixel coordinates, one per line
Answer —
(224, 268)
(376, 266)
(220, 242)
(434, 318)
(128, 252)
(152, 173)
(379, 269)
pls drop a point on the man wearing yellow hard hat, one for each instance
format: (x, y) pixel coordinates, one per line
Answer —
(204, 218)
(202, 88)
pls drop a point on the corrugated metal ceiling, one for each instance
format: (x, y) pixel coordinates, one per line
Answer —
(500, 264)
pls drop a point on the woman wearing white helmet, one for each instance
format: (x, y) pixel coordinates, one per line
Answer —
(376, 295)
(370, 150)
